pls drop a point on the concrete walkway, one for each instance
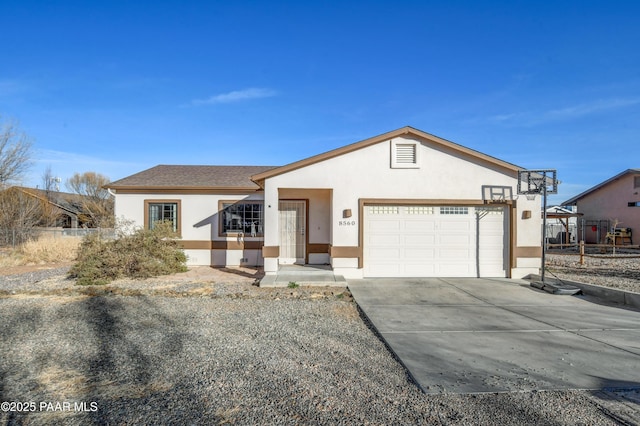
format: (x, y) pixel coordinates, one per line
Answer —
(464, 335)
(307, 275)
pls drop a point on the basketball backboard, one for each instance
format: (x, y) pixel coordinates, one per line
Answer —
(537, 182)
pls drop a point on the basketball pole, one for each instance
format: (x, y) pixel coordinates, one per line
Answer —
(544, 225)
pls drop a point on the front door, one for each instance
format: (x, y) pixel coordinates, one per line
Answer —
(292, 231)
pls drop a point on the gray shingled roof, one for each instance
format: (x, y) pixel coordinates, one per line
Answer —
(170, 176)
(72, 203)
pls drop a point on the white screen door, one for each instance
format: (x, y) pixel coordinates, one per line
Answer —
(292, 231)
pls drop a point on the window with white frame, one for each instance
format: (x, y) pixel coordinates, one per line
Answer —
(245, 217)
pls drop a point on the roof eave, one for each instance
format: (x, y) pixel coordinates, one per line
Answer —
(261, 177)
(160, 188)
(574, 200)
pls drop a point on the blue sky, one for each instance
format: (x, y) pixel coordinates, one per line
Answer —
(116, 87)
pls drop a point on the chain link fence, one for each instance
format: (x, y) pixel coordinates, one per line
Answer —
(11, 238)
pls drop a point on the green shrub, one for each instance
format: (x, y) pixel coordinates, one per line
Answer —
(140, 253)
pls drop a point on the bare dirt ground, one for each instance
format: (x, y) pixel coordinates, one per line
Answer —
(247, 355)
(24, 269)
(198, 281)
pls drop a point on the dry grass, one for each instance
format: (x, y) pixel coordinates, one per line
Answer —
(44, 250)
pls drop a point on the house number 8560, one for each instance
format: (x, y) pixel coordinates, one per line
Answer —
(346, 222)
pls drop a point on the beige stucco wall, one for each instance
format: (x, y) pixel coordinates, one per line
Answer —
(611, 203)
(367, 173)
(199, 222)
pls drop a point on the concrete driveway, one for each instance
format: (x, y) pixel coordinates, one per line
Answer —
(468, 335)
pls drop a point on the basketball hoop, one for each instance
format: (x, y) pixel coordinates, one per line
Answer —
(537, 182)
(532, 183)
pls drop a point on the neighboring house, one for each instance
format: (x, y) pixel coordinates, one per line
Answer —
(612, 203)
(60, 209)
(405, 203)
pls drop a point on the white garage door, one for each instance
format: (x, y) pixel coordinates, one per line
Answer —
(435, 241)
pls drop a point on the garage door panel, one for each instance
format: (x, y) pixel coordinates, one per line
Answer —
(419, 269)
(462, 255)
(455, 240)
(385, 270)
(492, 253)
(385, 225)
(492, 240)
(419, 240)
(381, 253)
(419, 226)
(461, 225)
(420, 253)
(455, 270)
(428, 241)
(385, 240)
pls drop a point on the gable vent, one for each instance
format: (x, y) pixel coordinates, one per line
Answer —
(405, 153)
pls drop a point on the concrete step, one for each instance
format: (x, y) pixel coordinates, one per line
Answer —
(303, 279)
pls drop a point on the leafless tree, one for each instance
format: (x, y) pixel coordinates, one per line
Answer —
(50, 213)
(20, 213)
(49, 180)
(15, 153)
(97, 202)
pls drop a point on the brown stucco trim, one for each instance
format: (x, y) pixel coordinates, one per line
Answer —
(146, 212)
(431, 202)
(346, 251)
(195, 245)
(271, 251)
(260, 177)
(236, 245)
(534, 251)
(318, 248)
(220, 245)
(253, 245)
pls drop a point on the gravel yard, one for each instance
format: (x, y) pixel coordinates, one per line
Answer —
(208, 347)
(621, 272)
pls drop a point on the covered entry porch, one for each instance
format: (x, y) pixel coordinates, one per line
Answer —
(298, 230)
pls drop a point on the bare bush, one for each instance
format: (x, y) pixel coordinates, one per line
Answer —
(142, 253)
(19, 214)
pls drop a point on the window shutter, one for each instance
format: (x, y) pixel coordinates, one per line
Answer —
(405, 153)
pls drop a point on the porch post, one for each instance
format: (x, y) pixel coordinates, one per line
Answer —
(271, 249)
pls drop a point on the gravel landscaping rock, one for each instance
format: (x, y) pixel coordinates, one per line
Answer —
(216, 350)
(621, 271)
